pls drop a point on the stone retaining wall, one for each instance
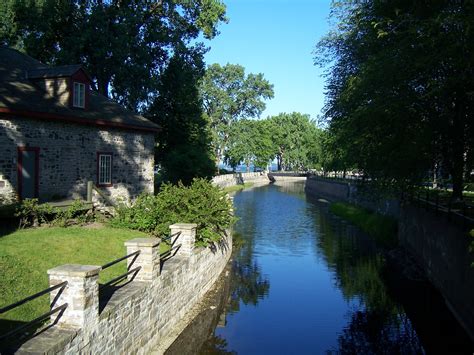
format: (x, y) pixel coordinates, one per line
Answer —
(134, 318)
(353, 193)
(440, 245)
(240, 178)
(442, 248)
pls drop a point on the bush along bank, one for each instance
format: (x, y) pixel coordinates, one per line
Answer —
(201, 202)
(382, 228)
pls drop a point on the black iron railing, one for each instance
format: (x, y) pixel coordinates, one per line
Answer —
(173, 248)
(41, 318)
(130, 270)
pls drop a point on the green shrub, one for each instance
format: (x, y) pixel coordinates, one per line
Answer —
(201, 203)
(31, 213)
(75, 212)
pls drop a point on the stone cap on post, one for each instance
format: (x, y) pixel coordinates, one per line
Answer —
(148, 259)
(81, 294)
(186, 238)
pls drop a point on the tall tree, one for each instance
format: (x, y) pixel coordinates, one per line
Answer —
(399, 87)
(228, 95)
(293, 136)
(124, 45)
(249, 143)
(184, 144)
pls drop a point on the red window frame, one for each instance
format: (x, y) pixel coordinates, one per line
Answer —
(19, 168)
(98, 169)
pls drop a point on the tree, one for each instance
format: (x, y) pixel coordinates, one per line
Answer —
(249, 142)
(294, 137)
(184, 143)
(123, 45)
(228, 95)
(399, 87)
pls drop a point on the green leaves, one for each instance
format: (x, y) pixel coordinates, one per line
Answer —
(200, 203)
(229, 95)
(135, 43)
(396, 91)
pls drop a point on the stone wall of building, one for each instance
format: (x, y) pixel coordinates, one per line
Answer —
(144, 315)
(68, 158)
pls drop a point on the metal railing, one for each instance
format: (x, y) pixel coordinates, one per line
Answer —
(42, 317)
(130, 270)
(460, 212)
(173, 248)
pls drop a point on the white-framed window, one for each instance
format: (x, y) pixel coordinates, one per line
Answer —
(104, 169)
(79, 95)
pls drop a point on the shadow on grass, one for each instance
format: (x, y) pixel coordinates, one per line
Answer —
(11, 344)
(8, 226)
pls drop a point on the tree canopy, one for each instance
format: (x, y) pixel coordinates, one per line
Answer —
(184, 144)
(124, 45)
(399, 88)
(228, 95)
(291, 138)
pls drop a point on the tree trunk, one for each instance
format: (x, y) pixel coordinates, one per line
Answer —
(103, 87)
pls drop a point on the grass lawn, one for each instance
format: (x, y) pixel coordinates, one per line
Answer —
(26, 254)
(238, 187)
(382, 228)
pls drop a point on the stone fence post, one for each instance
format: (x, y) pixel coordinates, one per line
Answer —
(148, 259)
(81, 294)
(187, 237)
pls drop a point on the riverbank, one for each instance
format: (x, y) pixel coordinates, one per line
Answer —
(438, 242)
(301, 265)
(152, 307)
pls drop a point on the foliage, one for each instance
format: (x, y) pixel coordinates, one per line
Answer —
(200, 203)
(27, 254)
(184, 143)
(31, 213)
(249, 143)
(382, 228)
(228, 95)
(134, 46)
(399, 87)
(65, 216)
(296, 141)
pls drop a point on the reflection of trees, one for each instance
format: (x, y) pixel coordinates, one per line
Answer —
(247, 283)
(357, 264)
(380, 325)
(215, 345)
(369, 332)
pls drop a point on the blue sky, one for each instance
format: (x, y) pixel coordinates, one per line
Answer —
(276, 38)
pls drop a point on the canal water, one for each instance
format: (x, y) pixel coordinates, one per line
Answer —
(306, 282)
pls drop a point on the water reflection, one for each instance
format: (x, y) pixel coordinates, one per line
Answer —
(332, 290)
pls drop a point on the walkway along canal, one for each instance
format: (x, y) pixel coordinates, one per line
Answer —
(307, 282)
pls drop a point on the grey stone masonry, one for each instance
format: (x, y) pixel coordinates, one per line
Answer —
(68, 158)
(186, 237)
(81, 294)
(148, 260)
(137, 317)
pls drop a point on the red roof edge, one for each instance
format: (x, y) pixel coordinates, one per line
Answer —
(63, 118)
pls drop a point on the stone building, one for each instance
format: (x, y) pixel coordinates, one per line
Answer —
(56, 134)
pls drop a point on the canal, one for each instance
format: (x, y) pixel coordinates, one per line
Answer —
(306, 282)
